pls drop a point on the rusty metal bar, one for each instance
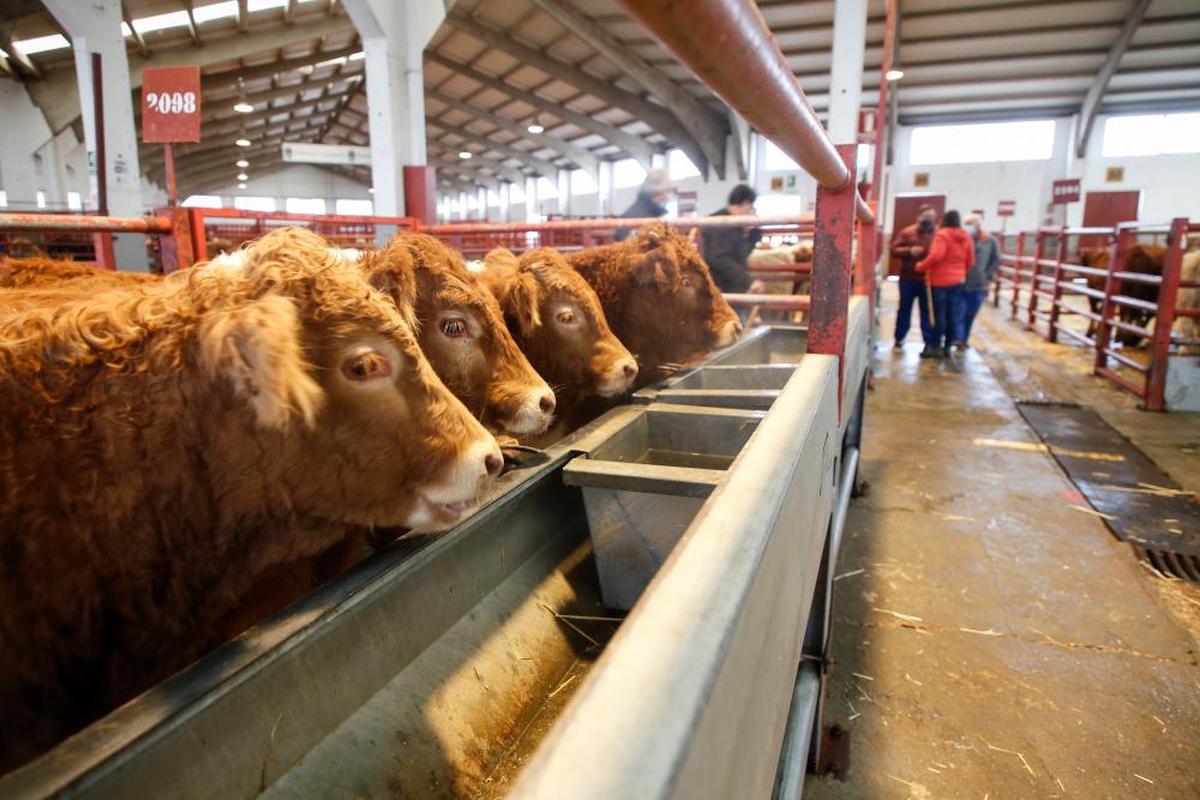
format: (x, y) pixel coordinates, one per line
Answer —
(770, 302)
(727, 44)
(84, 223)
(601, 223)
(1156, 382)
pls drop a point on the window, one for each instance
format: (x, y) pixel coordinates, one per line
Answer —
(251, 203)
(582, 182)
(215, 11)
(41, 198)
(203, 201)
(41, 44)
(546, 189)
(680, 166)
(74, 201)
(775, 160)
(304, 205)
(355, 208)
(989, 141)
(3, 198)
(1151, 135)
(493, 199)
(627, 173)
(777, 205)
(516, 193)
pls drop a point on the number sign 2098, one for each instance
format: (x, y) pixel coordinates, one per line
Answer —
(172, 102)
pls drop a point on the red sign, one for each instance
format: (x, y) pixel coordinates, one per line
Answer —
(171, 104)
(1065, 191)
(1006, 208)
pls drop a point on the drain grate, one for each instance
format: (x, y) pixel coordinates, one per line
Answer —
(1138, 502)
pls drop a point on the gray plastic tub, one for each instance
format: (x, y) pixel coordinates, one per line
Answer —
(643, 486)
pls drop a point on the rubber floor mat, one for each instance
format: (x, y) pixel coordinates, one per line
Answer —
(1138, 502)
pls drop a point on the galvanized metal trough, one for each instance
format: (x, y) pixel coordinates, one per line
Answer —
(478, 663)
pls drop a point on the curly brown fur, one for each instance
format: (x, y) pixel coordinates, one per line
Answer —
(48, 273)
(659, 297)
(163, 446)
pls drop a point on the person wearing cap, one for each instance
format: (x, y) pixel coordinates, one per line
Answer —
(656, 188)
(727, 250)
(909, 246)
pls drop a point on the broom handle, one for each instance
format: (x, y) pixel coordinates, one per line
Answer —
(929, 300)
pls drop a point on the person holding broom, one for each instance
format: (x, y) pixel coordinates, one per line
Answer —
(909, 246)
(951, 254)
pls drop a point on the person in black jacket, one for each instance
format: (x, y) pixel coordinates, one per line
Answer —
(727, 249)
(656, 188)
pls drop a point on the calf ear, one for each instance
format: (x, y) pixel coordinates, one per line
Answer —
(648, 271)
(392, 271)
(521, 300)
(256, 347)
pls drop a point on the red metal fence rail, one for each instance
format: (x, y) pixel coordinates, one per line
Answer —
(1127, 332)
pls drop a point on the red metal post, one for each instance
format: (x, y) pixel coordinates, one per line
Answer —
(1168, 292)
(1116, 263)
(169, 164)
(833, 244)
(1056, 301)
(1039, 253)
(102, 242)
(199, 238)
(420, 193)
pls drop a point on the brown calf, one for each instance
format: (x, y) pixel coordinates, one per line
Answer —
(659, 298)
(164, 446)
(39, 272)
(556, 318)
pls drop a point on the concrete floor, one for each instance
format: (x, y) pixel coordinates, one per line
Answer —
(991, 641)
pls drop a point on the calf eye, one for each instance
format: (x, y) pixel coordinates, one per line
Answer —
(687, 282)
(454, 328)
(565, 317)
(367, 366)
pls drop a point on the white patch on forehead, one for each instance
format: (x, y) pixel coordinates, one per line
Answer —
(476, 265)
(347, 255)
(230, 261)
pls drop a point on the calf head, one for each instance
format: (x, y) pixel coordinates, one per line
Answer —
(556, 318)
(462, 331)
(674, 309)
(350, 420)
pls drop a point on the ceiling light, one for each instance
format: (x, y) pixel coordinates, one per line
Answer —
(465, 154)
(243, 176)
(894, 74)
(242, 142)
(242, 163)
(243, 108)
(535, 128)
(241, 186)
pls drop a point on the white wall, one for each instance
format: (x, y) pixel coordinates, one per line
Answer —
(1170, 185)
(298, 180)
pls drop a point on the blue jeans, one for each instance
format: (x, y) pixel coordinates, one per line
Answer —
(910, 291)
(969, 303)
(945, 313)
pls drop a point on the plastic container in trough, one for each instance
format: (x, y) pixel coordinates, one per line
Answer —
(645, 483)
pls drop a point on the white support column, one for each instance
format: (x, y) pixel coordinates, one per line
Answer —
(564, 191)
(505, 203)
(845, 80)
(533, 208)
(95, 27)
(604, 188)
(394, 35)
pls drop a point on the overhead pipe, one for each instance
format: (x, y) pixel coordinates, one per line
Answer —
(729, 47)
(89, 224)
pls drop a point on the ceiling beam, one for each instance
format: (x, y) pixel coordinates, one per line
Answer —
(347, 97)
(16, 59)
(538, 165)
(1095, 96)
(138, 40)
(193, 31)
(230, 78)
(218, 107)
(706, 127)
(204, 185)
(477, 165)
(631, 143)
(243, 16)
(56, 95)
(581, 157)
(470, 178)
(656, 116)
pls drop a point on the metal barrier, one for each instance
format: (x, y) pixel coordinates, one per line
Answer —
(1043, 285)
(226, 228)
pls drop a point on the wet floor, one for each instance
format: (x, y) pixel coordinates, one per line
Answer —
(992, 640)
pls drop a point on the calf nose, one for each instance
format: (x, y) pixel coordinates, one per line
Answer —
(546, 403)
(493, 464)
(737, 327)
(629, 370)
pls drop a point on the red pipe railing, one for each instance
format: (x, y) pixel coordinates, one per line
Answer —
(730, 48)
(1056, 281)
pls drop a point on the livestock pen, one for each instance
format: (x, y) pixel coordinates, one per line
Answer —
(1040, 282)
(488, 660)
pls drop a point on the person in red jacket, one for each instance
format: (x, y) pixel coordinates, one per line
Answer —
(951, 254)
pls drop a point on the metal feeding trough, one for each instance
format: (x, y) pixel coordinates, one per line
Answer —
(479, 663)
(644, 484)
(750, 386)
